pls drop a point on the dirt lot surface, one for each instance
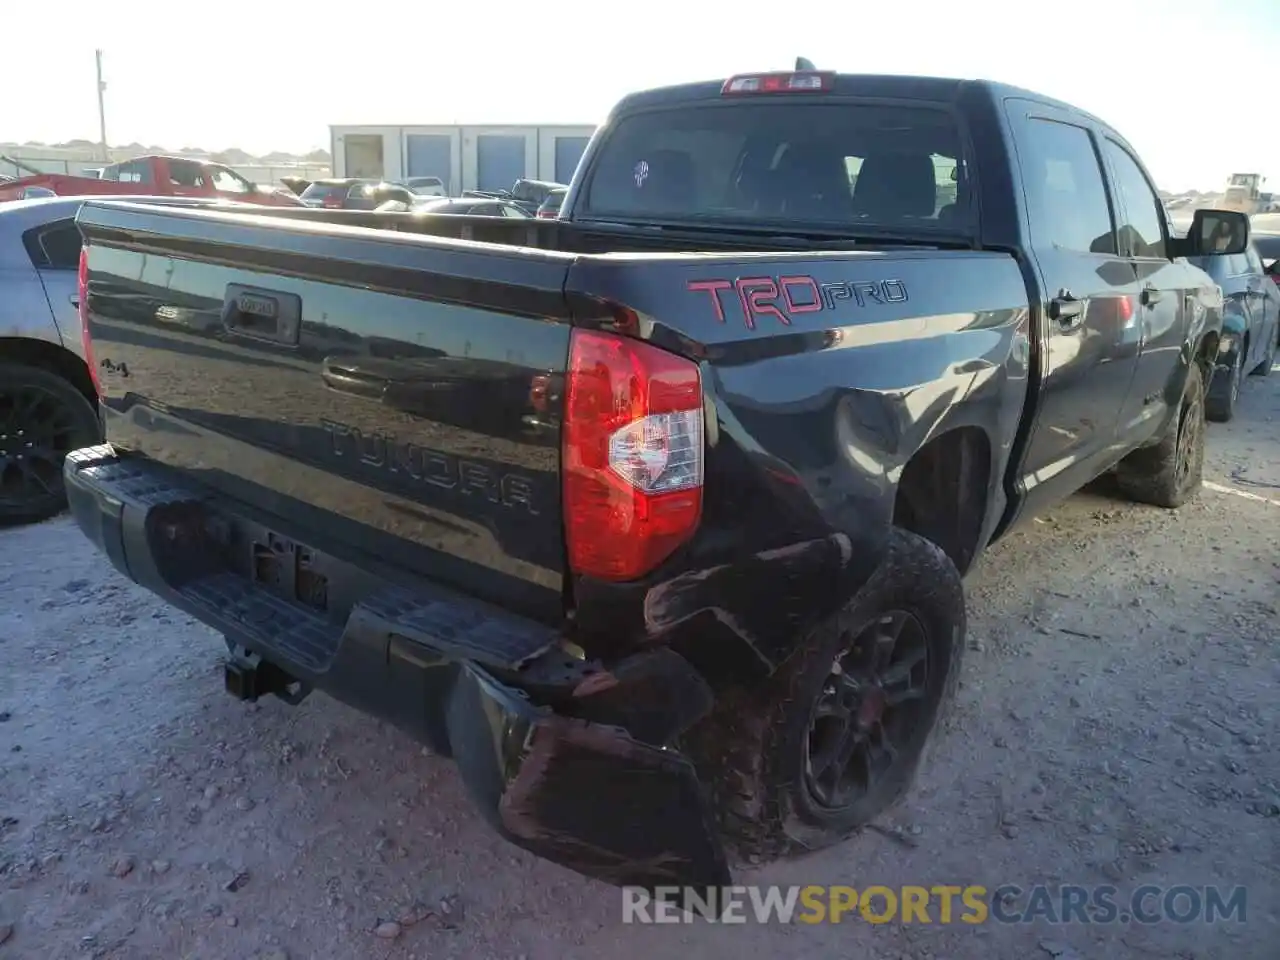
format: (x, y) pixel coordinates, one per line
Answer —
(1116, 724)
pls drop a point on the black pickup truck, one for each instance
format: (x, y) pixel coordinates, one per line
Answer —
(653, 517)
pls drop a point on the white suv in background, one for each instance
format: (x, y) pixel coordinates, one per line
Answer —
(427, 186)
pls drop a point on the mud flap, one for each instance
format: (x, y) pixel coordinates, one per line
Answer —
(583, 795)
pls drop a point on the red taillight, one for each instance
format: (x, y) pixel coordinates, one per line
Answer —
(632, 455)
(82, 300)
(805, 81)
(546, 214)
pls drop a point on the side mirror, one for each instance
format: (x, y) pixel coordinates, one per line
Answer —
(1218, 233)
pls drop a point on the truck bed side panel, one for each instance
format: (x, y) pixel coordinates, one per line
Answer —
(827, 375)
(413, 420)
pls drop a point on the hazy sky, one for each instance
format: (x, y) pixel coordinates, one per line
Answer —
(1191, 84)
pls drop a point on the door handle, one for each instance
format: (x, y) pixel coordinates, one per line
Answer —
(74, 300)
(1066, 310)
(1151, 296)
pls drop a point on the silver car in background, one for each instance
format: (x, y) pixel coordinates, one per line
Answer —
(48, 405)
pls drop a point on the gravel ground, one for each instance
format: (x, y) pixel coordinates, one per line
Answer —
(1116, 724)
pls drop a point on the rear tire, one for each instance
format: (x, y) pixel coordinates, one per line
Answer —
(1264, 368)
(790, 763)
(42, 419)
(1221, 407)
(1169, 474)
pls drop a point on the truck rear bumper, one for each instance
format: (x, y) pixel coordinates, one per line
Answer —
(579, 790)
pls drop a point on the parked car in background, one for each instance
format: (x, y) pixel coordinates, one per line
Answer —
(549, 209)
(530, 194)
(296, 184)
(427, 186)
(47, 400)
(355, 193)
(32, 193)
(464, 206)
(1250, 320)
(48, 406)
(150, 176)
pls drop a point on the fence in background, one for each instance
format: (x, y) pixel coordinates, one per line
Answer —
(78, 167)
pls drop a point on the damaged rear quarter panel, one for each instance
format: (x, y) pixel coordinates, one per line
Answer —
(817, 402)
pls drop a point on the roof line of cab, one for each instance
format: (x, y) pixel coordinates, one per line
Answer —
(932, 89)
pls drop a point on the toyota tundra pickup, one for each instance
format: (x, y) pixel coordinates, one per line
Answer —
(653, 517)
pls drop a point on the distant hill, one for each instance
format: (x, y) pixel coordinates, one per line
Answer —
(233, 156)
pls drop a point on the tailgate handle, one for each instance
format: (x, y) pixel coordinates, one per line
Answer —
(262, 314)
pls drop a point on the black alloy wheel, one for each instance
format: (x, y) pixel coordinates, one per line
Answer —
(42, 419)
(872, 702)
(1190, 449)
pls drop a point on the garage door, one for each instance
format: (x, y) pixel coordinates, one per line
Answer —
(568, 152)
(430, 155)
(363, 155)
(499, 161)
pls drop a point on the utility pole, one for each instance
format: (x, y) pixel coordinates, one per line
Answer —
(102, 111)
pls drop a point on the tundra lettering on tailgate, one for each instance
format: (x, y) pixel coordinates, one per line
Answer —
(433, 467)
(784, 297)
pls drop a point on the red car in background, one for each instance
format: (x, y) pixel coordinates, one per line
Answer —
(153, 176)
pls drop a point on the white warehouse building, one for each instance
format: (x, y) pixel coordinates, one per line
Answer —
(463, 157)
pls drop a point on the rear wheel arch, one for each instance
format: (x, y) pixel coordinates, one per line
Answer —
(1206, 355)
(52, 357)
(944, 492)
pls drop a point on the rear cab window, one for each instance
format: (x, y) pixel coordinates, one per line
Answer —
(132, 171)
(836, 165)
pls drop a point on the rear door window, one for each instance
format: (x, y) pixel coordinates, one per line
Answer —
(185, 173)
(840, 165)
(1065, 190)
(55, 246)
(61, 244)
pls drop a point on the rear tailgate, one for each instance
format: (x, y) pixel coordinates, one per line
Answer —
(398, 396)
